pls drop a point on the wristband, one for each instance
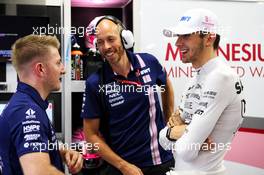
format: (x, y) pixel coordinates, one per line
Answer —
(168, 135)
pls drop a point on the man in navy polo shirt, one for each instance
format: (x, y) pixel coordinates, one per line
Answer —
(28, 143)
(129, 107)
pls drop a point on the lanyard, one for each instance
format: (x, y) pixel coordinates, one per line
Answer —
(129, 82)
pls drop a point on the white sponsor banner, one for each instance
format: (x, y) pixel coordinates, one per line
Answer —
(241, 45)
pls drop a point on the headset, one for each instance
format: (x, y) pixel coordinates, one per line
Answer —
(126, 36)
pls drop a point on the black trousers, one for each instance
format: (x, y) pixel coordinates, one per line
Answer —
(161, 169)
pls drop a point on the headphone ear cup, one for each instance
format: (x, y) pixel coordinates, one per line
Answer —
(127, 39)
(95, 43)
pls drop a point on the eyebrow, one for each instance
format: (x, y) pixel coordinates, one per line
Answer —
(185, 35)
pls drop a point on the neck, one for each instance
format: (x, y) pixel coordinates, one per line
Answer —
(37, 85)
(122, 67)
(204, 57)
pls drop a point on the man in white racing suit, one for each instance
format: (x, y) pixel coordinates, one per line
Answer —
(212, 107)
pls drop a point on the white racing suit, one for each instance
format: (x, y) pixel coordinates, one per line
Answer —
(212, 106)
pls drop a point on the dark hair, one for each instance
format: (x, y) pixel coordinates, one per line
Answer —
(216, 42)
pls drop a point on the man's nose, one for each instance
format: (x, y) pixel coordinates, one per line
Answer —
(63, 71)
(178, 41)
(107, 45)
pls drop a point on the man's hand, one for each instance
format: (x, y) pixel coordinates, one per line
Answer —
(208, 145)
(73, 160)
(177, 131)
(175, 119)
(130, 169)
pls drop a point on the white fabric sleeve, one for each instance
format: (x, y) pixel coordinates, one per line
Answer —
(204, 119)
(165, 143)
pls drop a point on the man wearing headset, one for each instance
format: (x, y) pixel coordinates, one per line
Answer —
(132, 111)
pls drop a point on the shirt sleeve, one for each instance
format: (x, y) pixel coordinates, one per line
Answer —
(92, 107)
(31, 133)
(165, 143)
(218, 92)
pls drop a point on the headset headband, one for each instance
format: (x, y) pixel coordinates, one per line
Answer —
(111, 18)
(126, 36)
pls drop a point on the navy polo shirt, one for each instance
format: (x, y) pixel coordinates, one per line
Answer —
(133, 109)
(25, 128)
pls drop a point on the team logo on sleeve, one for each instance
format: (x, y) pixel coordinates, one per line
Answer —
(30, 114)
(31, 128)
(30, 137)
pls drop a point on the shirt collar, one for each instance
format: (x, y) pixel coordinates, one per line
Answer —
(33, 93)
(207, 67)
(134, 65)
(133, 60)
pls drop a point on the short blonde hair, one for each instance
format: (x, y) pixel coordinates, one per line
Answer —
(31, 47)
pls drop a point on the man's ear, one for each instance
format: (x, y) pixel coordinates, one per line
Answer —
(210, 38)
(39, 69)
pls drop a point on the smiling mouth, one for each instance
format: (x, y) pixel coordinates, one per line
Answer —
(184, 51)
(109, 54)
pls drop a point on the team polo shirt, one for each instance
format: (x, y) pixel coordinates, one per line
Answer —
(25, 128)
(133, 109)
